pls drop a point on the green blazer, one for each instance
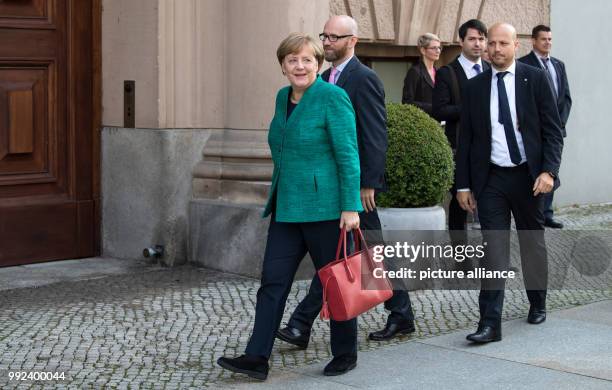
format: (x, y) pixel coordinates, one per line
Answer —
(316, 160)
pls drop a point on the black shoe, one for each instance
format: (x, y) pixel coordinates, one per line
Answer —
(340, 365)
(485, 334)
(551, 223)
(391, 330)
(254, 366)
(536, 316)
(294, 336)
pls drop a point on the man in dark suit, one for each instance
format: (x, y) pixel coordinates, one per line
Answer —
(450, 81)
(508, 155)
(368, 98)
(541, 39)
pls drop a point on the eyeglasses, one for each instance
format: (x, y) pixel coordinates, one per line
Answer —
(333, 37)
(436, 48)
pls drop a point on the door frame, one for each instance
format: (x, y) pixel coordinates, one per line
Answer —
(96, 126)
(86, 71)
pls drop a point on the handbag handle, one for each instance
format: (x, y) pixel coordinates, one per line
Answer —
(356, 239)
(342, 239)
(365, 246)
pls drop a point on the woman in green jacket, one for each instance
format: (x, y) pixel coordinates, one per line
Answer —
(314, 193)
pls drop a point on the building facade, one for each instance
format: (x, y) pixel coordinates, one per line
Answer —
(180, 96)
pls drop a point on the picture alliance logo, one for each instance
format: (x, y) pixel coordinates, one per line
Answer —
(411, 253)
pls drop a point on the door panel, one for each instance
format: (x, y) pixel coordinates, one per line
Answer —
(47, 205)
(38, 233)
(25, 130)
(29, 13)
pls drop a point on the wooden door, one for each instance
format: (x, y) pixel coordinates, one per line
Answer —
(48, 141)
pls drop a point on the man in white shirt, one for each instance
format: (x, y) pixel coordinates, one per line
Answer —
(508, 156)
(446, 105)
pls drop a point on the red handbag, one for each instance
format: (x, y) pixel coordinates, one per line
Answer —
(349, 287)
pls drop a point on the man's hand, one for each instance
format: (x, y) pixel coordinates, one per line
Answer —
(349, 220)
(367, 199)
(543, 184)
(466, 200)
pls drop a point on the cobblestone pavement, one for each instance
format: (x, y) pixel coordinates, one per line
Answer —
(165, 328)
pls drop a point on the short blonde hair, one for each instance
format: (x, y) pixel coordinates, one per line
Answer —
(426, 39)
(295, 42)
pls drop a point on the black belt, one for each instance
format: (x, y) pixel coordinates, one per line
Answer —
(516, 168)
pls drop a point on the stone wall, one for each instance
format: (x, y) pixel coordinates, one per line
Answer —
(585, 167)
(400, 22)
(200, 67)
(146, 188)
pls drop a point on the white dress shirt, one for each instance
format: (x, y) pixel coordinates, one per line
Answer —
(500, 155)
(468, 66)
(551, 69)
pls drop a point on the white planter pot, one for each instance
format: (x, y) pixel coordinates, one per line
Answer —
(414, 226)
(421, 218)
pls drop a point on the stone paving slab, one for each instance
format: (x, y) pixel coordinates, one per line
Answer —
(449, 362)
(290, 379)
(597, 313)
(585, 334)
(41, 274)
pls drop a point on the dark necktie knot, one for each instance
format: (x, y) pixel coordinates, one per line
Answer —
(501, 75)
(477, 68)
(545, 61)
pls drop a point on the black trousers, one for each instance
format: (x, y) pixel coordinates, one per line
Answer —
(509, 190)
(286, 246)
(308, 309)
(547, 205)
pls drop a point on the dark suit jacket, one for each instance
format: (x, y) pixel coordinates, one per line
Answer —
(368, 98)
(538, 120)
(418, 87)
(445, 105)
(564, 99)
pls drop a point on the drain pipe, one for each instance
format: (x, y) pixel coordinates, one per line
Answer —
(155, 252)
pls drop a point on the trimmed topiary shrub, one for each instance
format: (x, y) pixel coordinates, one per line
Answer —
(420, 165)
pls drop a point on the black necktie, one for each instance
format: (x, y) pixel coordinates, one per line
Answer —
(549, 74)
(505, 118)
